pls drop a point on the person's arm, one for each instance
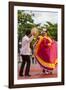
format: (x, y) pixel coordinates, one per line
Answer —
(49, 44)
(31, 38)
(35, 44)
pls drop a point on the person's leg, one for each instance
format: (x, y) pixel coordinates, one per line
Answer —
(27, 65)
(22, 65)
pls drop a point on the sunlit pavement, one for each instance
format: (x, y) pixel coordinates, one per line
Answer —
(36, 72)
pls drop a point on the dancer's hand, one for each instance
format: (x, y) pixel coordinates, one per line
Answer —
(49, 44)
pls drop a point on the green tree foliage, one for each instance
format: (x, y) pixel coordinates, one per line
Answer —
(52, 29)
(25, 22)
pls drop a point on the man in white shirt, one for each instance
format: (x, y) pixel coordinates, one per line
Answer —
(25, 53)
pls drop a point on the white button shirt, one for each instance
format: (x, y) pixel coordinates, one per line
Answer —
(25, 49)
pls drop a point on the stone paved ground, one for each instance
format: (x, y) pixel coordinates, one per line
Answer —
(36, 72)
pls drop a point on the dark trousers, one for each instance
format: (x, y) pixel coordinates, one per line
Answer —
(25, 60)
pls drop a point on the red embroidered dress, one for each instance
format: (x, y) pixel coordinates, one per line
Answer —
(46, 52)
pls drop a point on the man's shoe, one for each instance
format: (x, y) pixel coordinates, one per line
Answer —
(27, 75)
(20, 74)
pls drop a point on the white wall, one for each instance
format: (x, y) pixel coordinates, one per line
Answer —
(4, 43)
